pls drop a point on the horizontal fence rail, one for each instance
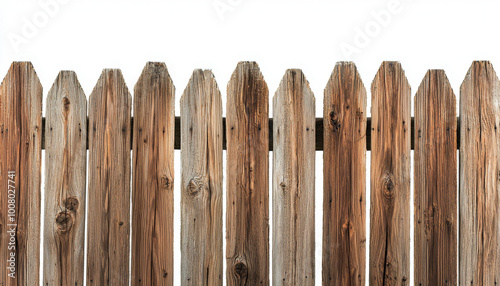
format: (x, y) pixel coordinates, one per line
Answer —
(128, 205)
(319, 127)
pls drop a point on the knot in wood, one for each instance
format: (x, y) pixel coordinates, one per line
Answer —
(346, 225)
(66, 103)
(359, 113)
(71, 203)
(64, 221)
(334, 120)
(283, 186)
(166, 182)
(388, 185)
(195, 186)
(241, 269)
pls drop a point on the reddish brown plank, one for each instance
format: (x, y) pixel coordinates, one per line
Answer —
(344, 184)
(201, 185)
(390, 177)
(65, 164)
(293, 181)
(20, 153)
(479, 250)
(247, 246)
(153, 175)
(435, 181)
(109, 181)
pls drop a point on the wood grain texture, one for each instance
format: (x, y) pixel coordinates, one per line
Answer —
(20, 141)
(247, 246)
(479, 250)
(390, 177)
(65, 171)
(435, 181)
(153, 178)
(344, 173)
(201, 185)
(109, 181)
(294, 110)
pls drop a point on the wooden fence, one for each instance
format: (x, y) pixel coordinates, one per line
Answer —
(457, 238)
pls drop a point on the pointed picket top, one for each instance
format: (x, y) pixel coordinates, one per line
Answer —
(66, 85)
(244, 77)
(479, 254)
(434, 77)
(484, 69)
(294, 77)
(153, 71)
(16, 68)
(20, 140)
(344, 172)
(388, 68)
(200, 78)
(342, 69)
(110, 79)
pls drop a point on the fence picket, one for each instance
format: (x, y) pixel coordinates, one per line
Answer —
(479, 249)
(344, 206)
(293, 181)
(109, 181)
(20, 141)
(247, 249)
(390, 177)
(435, 182)
(65, 177)
(201, 186)
(152, 178)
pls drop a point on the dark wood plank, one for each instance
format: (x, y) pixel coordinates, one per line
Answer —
(390, 177)
(435, 181)
(479, 250)
(65, 176)
(344, 172)
(109, 181)
(293, 181)
(20, 153)
(201, 183)
(247, 248)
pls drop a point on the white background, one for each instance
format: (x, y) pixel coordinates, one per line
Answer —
(87, 36)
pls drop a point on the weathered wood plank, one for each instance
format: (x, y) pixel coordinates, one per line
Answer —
(201, 186)
(390, 177)
(20, 141)
(294, 110)
(109, 181)
(65, 171)
(344, 184)
(479, 250)
(152, 178)
(435, 181)
(247, 249)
